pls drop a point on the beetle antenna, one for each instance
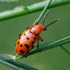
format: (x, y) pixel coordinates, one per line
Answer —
(52, 22)
(45, 16)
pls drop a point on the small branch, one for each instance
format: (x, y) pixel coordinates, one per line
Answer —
(44, 10)
(23, 10)
(10, 65)
(18, 64)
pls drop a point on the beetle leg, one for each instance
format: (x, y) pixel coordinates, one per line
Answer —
(40, 38)
(32, 47)
(38, 45)
(26, 54)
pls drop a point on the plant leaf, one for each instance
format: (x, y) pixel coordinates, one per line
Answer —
(23, 10)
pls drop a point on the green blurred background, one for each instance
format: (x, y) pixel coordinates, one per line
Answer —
(52, 59)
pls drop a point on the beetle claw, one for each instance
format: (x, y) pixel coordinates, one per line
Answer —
(26, 55)
(39, 49)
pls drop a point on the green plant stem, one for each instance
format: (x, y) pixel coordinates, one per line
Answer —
(44, 10)
(18, 64)
(10, 65)
(49, 46)
(23, 10)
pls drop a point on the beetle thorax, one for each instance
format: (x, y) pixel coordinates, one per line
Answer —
(37, 29)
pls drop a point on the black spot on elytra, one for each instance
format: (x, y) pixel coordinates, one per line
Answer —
(21, 45)
(27, 28)
(27, 38)
(27, 46)
(21, 51)
(18, 42)
(24, 34)
(19, 34)
(32, 42)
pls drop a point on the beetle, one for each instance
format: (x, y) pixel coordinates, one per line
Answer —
(26, 40)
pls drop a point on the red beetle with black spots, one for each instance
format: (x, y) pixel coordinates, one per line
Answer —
(26, 40)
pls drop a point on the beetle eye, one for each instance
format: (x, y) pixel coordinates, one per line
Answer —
(44, 28)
